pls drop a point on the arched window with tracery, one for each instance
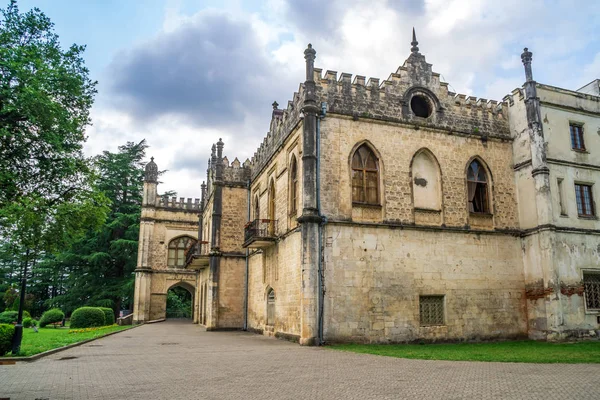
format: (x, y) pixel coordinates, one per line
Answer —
(177, 248)
(477, 187)
(293, 187)
(365, 176)
(271, 307)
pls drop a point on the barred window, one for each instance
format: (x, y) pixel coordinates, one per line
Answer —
(431, 310)
(585, 201)
(177, 248)
(365, 176)
(591, 284)
(576, 137)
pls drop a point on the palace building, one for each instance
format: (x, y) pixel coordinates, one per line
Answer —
(392, 211)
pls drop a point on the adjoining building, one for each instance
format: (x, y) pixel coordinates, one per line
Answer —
(392, 211)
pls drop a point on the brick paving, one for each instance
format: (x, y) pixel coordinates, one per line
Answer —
(173, 360)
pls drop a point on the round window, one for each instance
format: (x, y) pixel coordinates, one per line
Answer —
(420, 106)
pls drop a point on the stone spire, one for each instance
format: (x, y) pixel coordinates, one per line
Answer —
(275, 105)
(151, 174)
(219, 169)
(526, 57)
(414, 43)
(203, 192)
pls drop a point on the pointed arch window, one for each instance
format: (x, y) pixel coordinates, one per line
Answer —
(271, 307)
(177, 249)
(477, 186)
(256, 208)
(293, 187)
(365, 176)
(272, 208)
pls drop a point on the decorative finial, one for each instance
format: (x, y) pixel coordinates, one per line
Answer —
(151, 172)
(275, 105)
(414, 43)
(526, 57)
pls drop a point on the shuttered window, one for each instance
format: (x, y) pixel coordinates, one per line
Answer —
(365, 176)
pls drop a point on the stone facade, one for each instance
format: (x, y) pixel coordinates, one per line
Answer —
(395, 211)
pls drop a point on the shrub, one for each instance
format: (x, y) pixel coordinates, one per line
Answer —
(10, 317)
(29, 322)
(51, 316)
(7, 332)
(109, 315)
(86, 317)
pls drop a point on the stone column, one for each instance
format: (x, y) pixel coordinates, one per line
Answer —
(310, 219)
(215, 257)
(544, 310)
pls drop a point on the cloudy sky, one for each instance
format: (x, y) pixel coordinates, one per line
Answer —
(183, 73)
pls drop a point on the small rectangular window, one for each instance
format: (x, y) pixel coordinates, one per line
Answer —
(431, 310)
(577, 137)
(561, 197)
(591, 284)
(585, 201)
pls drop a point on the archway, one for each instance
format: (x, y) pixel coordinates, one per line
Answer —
(180, 302)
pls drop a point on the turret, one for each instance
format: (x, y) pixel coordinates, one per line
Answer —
(150, 183)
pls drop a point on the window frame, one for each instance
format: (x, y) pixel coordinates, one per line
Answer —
(580, 200)
(177, 249)
(271, 300)
(591, 310)
(579, 139)
(364, 172)
(442, 299)
(486, 201)
(293, 186)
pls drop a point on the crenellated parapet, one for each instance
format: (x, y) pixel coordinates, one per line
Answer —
(231, 174)
(173, 203)
(282, 124)
(393, 100)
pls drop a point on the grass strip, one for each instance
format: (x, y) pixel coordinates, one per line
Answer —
(527, 351)
(52, 338)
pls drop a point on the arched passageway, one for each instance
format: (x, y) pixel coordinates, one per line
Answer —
(180, 302)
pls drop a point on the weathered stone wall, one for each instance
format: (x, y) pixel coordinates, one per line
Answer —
(396, 144)
(231, 292)
(235, 203)
(277, 267)
(374, 277)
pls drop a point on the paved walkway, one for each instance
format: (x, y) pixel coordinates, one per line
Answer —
(181, 361)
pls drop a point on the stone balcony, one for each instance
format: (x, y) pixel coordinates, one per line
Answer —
(260, 233)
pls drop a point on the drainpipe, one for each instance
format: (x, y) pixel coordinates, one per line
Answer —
(321, 225)
(247, 268)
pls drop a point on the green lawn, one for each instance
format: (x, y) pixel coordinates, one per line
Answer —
(521, 351)
(51, 338)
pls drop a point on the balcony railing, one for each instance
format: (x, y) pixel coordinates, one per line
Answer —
(260, 233)
(197, 254)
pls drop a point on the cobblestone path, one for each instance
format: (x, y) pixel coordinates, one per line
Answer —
(173, 360)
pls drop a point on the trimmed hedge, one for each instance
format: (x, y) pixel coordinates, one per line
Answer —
(10, 317)
(29, 322)
(87, 317)
(109, 315)
(7, 332)
(51, 316)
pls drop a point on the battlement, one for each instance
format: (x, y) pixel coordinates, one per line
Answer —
(390, 100)
(181, 204)
(282, 123)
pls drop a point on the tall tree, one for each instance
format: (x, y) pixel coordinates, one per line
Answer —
(45, 97)
(47, 195)
(99, 267)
